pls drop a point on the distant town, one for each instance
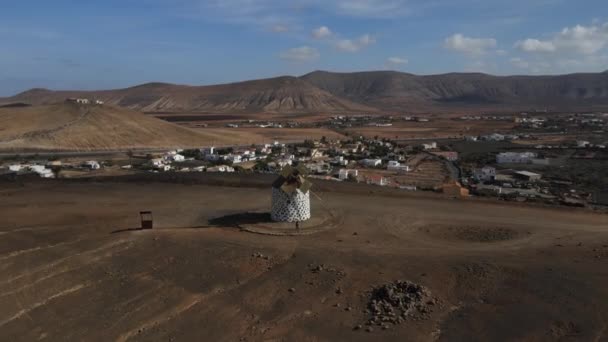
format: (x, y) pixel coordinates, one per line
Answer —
(494, 165)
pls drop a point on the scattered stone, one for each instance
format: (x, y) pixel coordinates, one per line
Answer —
(358, 327)
(369, 329)
(395, 302)
(348, 308)
(292, 290)
(339, 290)
(337, 305)
(355, 233)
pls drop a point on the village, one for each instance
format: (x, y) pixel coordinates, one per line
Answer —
(486, 166)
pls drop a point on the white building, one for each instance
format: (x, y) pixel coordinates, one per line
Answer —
(174, 157)
(15, 167)
(157, 162)
(220, 168)
(42, 171)
(284, 162)
(234, 158)
(344, 174)
(430, 146)
(371, 162)
(394, 165)
(515, 157)
(486, 173)
(92, 164)
(582, 143)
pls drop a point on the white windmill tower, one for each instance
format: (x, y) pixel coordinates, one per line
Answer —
(291, 196)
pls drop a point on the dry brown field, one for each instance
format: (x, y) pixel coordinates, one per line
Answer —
(72, 267)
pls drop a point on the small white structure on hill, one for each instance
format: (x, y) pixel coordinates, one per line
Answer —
(78, 100)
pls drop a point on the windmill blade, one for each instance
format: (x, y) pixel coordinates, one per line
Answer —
(306, 185)
(302, 169)
(287, 170)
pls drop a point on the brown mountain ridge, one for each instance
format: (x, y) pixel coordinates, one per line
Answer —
(372, 91)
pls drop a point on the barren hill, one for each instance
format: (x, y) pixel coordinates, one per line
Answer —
(392, 90)
(76, 127)
(281, 94)
(322, 91)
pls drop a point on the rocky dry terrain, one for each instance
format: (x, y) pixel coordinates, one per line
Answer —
(373, 91)
(67, 126)
(399, 266)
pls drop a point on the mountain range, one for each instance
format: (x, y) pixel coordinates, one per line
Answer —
(373, 91)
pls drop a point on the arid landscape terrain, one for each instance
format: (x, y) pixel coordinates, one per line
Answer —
(74, 267)
(278, 171)
(330, 92)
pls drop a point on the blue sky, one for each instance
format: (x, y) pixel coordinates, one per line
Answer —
(87, 44)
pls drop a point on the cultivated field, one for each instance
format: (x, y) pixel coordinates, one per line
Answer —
(72, 269)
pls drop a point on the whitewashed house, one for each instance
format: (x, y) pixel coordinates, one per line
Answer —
(430, 146)
(234, 158)
(42, 171)
(15, 167)
(220, 168)
(92, 165)
(394, 165)
(173, 156)
(371, 162)
(156, 162)
(344, 174)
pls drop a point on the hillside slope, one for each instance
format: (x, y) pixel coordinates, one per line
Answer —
(387, 89)
(76, 127)
(331, 92)
(281, 95)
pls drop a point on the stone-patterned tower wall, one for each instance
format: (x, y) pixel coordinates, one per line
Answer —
(294, 207)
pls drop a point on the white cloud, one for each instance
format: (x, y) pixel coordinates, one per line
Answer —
(300, 54)
(349, 45)
(396, 61)
(535, 45)
(468, 45)
(321, 32)
(586, 40)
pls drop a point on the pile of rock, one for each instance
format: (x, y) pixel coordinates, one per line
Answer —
(395, 302)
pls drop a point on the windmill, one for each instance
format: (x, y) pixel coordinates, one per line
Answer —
(291, 195)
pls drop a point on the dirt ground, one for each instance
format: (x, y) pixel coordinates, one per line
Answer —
(73, 268)
(438, 128)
